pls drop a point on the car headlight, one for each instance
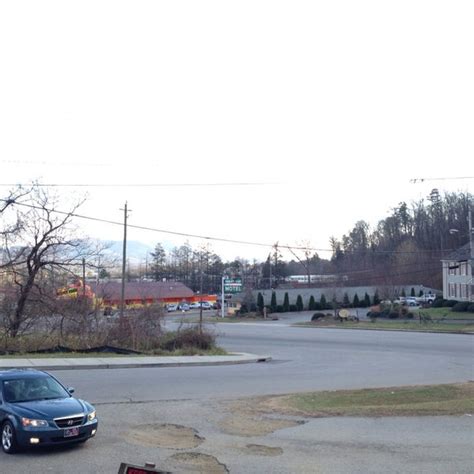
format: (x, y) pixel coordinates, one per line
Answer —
(29, 423)
(91, 416)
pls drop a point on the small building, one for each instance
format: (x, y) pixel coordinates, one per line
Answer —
(457, 275)
(141, 293)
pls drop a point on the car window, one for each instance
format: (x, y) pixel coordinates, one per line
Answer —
(34, 388)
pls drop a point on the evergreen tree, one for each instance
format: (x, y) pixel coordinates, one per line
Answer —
(323, 302)
(412, 293)
(260, 302)
(367, 300)
(273, 302)
(312, 303)
(299, 303)
(403, 293)
(345, 300)
(286, 303)
(420, 293)
(376, 298)
(158, 264)
(356, 302)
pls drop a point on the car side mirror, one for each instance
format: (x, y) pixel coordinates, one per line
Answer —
(71, 390)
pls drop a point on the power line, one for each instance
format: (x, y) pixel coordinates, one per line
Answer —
(421, 180)
(54, 163)
(140, 185)
(206, 237)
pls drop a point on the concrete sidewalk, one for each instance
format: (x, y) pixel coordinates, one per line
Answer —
(125, 362)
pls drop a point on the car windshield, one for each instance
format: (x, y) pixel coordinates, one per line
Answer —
(32, 388)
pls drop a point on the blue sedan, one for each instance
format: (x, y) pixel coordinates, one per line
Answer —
(37, 410)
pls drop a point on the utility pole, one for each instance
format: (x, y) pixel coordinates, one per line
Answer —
(200, 293)
(84, 278)
(270, 269)
(124, 261)
(471, 245)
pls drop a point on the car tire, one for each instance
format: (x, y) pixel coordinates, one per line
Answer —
(8, 438)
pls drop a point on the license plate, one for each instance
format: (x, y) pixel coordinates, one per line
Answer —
(69, 432)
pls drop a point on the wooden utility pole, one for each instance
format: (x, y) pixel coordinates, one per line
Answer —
(124, 261)
(84, 278)
(200, 292)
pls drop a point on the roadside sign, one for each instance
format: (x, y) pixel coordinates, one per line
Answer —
(232, 285)
(149, 468)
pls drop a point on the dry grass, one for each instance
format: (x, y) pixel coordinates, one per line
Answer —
(429, 400)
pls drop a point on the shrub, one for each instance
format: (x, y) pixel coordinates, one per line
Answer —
(317, 307)
(299, 303)
(409, 316)
(460, 307)
(393, 315)
(279, 308)
(355, 301)
(312, 303)
(286, 303)
(190, 337)
(449, 303)
(317, 316)
(293, 308)
(470, 308)
(273, 302)
(323, 302)
(438, 302)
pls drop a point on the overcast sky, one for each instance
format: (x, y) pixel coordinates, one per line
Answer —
(329, 107)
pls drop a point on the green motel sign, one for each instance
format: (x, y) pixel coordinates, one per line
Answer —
(232, 285)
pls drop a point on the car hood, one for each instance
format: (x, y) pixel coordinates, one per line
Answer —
(48, 409)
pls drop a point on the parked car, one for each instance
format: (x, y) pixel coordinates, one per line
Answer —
(171, 307)
(206, 305)
(183, 307)
(37, 410)
(195, 305)
(411, 301)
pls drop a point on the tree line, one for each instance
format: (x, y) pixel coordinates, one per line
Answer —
(41, 249)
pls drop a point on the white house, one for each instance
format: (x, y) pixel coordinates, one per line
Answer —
(457, 275)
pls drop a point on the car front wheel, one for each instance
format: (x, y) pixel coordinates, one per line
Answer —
(9, 444)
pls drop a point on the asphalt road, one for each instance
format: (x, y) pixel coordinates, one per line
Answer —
(303, 359)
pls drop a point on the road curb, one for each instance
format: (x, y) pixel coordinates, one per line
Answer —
(151, 362)
(385, 329)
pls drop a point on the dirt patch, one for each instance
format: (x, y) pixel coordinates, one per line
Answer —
(261, 450)
(253, 417)
(165, 436)
(198, 463)
(244, 425)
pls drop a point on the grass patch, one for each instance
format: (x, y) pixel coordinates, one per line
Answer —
(439, 313)
(185, 351)
(394, 325)
(428, 400)
(65, 355)
(191, 351)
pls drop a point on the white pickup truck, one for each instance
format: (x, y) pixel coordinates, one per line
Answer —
(429, 298)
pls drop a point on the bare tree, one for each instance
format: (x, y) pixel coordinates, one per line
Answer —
(41, 240)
